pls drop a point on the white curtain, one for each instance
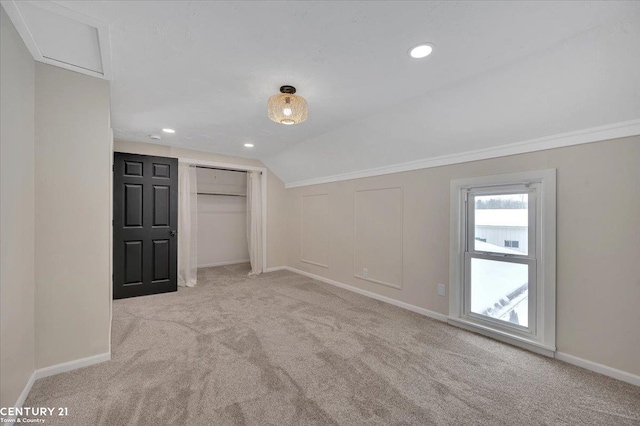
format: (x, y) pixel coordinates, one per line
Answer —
(254, 221)
(187, 225)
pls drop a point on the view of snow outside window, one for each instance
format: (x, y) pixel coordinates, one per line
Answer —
(500, 289)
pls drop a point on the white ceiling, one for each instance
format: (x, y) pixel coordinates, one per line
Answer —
(206, 69)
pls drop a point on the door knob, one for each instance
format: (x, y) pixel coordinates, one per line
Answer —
(173, 233)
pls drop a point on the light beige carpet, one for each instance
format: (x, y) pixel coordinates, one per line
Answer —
(283, 349)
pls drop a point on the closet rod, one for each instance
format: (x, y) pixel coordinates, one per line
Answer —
(215, 193)
(218, 168)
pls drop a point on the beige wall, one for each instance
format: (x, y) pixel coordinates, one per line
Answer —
(17, 213)
(598, 222)
(72, 222)
(276, 251)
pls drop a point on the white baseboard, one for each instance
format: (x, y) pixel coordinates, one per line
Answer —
(503, 337)
(53, 370)
(228, 262)
(398, 303)
(599, 368)
(275, 268)
(22, 397)
(71, 365)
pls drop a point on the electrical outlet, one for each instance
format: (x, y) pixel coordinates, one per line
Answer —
(365, 272)
(441, 290)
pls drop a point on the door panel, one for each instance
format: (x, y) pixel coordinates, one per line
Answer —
(133, 205)
(161, 254)
(145, 203)
(133, 262)
(133, 168)
(161, 201)
(161, 171)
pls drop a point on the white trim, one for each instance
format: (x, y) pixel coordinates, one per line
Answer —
(355, 232)
(104, 40)
(110, 225)
(422, 311)
(275, 268)
(311, 262)
(502, 337)
(71, 365)
(302, 259)
(593, 134)
(265, 174)
(22, 397)
(545, 328)
(228, 262)
(599, 368)
(372, 280)
(57, 369)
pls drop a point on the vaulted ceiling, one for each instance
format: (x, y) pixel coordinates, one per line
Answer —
(500, 73)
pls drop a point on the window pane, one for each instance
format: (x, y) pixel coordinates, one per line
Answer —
(500, 290)
(502, 223)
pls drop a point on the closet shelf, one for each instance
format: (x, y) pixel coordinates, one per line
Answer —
(221, 193)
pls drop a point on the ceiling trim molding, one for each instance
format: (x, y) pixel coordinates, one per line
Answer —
(14, 13)
(593, 134)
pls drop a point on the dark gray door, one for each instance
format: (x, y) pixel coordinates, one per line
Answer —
(145, 225)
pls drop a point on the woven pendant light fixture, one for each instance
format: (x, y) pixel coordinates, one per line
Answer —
(287, 108)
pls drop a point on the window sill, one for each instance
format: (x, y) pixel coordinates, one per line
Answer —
(504, 337)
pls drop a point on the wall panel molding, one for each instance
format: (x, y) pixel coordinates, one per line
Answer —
(379, 226)
(314, 229)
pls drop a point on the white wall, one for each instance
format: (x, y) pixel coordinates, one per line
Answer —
(17, 345)
(598, 222)
(222, 219)
(73, 159)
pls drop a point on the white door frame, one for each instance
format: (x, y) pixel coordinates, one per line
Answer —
(264, 193)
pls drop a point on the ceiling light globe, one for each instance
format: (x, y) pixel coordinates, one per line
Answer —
(287, 108)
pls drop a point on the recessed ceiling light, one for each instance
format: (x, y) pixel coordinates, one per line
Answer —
(248, 145)
(168, 130)
(421, 51)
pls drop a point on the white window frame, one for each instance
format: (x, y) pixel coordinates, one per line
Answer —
(540, 335)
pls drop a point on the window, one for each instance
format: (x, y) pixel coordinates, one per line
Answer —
(511, 243)
(503, 258)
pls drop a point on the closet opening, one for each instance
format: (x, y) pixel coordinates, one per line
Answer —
(222, 220)
(222, 217)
